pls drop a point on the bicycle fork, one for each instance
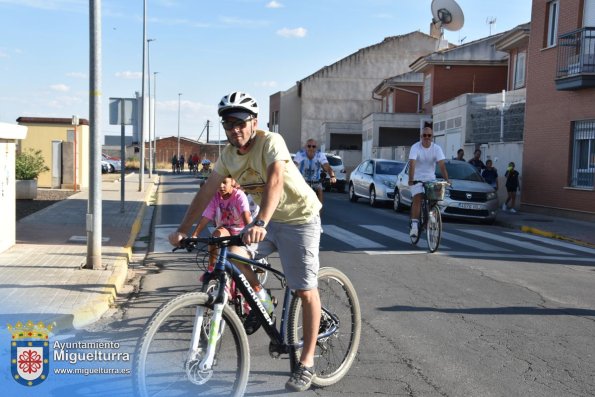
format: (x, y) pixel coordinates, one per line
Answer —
(199, 366)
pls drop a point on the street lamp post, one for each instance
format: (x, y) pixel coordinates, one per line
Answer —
(143, 124)
(154, 125)
(150, 119)
(179, 95)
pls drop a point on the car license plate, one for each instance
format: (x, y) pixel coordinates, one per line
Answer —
(470, 206)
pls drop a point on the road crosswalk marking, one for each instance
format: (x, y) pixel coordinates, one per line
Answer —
(395, 234)
(475, 243)
(481, 249)
(554, 242)
(515, 242)
(350, 238)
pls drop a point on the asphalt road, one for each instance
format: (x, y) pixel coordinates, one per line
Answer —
(493, 313)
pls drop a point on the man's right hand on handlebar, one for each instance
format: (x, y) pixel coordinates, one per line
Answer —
(175, 238)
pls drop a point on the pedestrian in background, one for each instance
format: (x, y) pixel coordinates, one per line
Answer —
(460, 155)
(476, 161)
(512, 185)
(490, 174)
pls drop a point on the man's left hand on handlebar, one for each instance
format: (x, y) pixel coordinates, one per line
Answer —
(253, 234)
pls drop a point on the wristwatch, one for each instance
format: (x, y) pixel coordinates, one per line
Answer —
(259, 222)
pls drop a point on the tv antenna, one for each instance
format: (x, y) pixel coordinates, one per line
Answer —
(490, 21)
(446, 14)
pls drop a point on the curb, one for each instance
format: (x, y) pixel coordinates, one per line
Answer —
(93, 311)
(544, 233)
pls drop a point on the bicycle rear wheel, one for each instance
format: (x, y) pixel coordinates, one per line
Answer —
(165, 365)
(334, 354)
(434, 228)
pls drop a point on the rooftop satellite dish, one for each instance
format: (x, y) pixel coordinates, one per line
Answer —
(447, 14)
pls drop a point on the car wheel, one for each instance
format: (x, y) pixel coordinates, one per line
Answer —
(397, 205)
(112, 168)
(352, 196)
(373, 201)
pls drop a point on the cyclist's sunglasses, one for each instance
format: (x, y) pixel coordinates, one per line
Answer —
(426, 135)
(231, 125)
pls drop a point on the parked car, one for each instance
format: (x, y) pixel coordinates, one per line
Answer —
(115, 164)
(469, 196)
(375, 180)
(336, 163)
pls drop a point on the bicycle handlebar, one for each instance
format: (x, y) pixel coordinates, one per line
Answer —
(189, 243)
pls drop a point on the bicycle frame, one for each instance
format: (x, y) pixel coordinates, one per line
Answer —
(223, 269)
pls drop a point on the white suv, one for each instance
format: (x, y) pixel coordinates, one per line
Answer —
(336, 163)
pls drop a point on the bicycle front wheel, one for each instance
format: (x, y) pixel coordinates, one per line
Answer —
(166, 365)
(334, 354)
(434, 228)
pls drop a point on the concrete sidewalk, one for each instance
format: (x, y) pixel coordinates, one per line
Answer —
(41, 278)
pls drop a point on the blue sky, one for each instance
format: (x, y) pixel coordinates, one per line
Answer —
(203, 49)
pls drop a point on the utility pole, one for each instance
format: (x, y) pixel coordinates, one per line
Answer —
(150, 119)
(154, 120)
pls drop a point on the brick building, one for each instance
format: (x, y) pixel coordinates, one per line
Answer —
(559, 150)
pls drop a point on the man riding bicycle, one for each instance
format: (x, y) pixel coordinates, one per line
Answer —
(422, 168)
(310, 162)
(288, 221)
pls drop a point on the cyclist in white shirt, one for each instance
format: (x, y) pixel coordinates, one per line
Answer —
(311, 162)
(422, 165)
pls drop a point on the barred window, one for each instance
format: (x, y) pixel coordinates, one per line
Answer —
(583, 154)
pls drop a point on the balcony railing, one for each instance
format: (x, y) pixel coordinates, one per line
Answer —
(576, 59)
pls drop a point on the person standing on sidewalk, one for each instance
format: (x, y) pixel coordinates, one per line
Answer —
(423, 157)
(512, 185)
(476, 161)
(490, 174)
(288, 221)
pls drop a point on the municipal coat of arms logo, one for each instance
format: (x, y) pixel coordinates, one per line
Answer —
(30, 358)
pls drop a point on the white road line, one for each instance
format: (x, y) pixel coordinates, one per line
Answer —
(475, 243)
(349, 238)
(515, 242)
(552, 241)
(487, 255)
(396, 235)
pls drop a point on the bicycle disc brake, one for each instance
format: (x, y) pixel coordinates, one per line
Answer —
(193, 372)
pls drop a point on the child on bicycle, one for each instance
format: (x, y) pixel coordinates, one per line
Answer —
(423, 157)
(230, 211)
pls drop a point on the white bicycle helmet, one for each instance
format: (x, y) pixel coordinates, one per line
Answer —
(238, 101)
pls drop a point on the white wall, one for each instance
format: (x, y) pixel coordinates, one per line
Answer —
(9, 133)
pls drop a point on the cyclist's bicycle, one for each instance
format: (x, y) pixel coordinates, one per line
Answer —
(430, 219)
(195, 344)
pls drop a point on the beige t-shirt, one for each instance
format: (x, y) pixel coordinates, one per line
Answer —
(298, 201)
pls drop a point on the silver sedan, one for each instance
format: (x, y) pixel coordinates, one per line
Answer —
(374, 180)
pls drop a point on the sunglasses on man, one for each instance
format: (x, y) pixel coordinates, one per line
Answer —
(229, 125)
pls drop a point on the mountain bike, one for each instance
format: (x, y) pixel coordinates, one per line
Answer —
(195, 344)
(430, 219)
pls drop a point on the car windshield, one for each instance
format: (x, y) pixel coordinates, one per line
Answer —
(334, 161)
(460, 170)
(388, 168)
